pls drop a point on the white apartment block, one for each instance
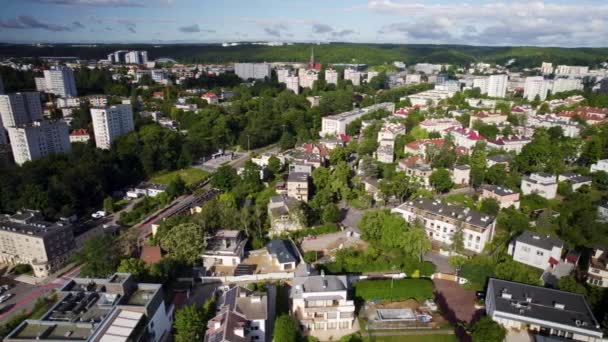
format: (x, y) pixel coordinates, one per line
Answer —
(371, 75)
(111, 122)
(38, 139)
(570, 128)
(566, 84)
(571, 70)
(307, 77)
(431, 97)
(298, 186)
(536, 250)
(20, 108)
(336, 124)
(441, 221)
(331, 76)
(68, 102)
(546, 68)
(497, 85)
(536, 86)
(413, 78)
(282, 74)
(136, 57)
(60, 81)
(293, 83)
(257, 71)
(352, 75)
(427, 68)
(542, 184)
(320, 304)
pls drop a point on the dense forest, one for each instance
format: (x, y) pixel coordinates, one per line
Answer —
(329, 53)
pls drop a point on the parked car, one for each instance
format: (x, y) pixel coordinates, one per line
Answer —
(99, 214)
(5, 297)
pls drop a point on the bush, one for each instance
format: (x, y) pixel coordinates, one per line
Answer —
(397, 289)
(23, 268)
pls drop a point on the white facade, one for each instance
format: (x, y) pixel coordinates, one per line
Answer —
(413, 78)
(60, 81)
(282, 74)
(536, 250)
(136, 57)
(331, 76)
(252, 70)
(497, 85)
(601, 165)
(20, 108)
(571, 70)
(336, 124)
(546, 68)
(566, 84)
(308, 77)
(38, 139)
(545, 185)
(371, 75)
(536, 86)
(293, 83)
(352, 75)
(111, 122)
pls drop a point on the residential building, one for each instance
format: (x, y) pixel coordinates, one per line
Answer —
(429, 97)
(487, 118)
(285, 215)
(20, 108)
(597, 273)
(566, 84)
(67, 102)
(541, 310)
(40, 84)
(461, 174)
(439, 125)
(307, 78)
(136, 57)
(257, 71)
(386, 151)
(464, 137)
(499, 159)
(571, 70)
(602, 212)
(576, 181)
(442, 221)
(38, 139)
(211, 98)
(80, 135)
(512, 143)
(242, 315)
(542, 184)
(314, 100)
(390, 131)
(601, 165)
(481, 103)
(416, 168)
(283, 254)
(546, 68)
(60, 81)
(151, 255)
(427, 68)
(352, 75)
(413, 79)
(97, 100)
(331, 76)
(504, 196)
(420, 147)
(110, 123)
(371, 75)
(336, 124)
(536, 86)
(536, 250)
(102, 310)
(225, 248)
(570, 128)
(320, 303)
(298, 186)
(496, 86)
(148, 189)
(293, 83)
(282, 74)
(27, 238)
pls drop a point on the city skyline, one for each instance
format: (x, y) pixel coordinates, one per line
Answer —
(539, 23)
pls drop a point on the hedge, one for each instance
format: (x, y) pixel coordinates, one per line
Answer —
(397, 289)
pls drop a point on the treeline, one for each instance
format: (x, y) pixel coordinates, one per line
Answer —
(330, 53)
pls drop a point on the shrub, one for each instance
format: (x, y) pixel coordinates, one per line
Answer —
(23, 268)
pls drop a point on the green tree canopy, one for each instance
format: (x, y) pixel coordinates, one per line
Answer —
(185, 242)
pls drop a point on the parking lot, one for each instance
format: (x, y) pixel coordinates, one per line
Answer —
(21, 293)
(211, 165)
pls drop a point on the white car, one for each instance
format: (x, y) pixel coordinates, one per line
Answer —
(5, 297)
(98, 214)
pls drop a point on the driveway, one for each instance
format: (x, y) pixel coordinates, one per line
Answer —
(456, 303)
(440, 261)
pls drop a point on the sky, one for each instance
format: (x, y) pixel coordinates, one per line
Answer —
(539, 23)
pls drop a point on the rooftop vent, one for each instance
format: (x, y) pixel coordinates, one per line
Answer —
(559, 305)
(505, 294)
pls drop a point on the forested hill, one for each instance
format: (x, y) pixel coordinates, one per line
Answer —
(329, 53)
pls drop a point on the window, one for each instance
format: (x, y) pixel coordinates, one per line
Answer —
(525, 249)
(540, 253)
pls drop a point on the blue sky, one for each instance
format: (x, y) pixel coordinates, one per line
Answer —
(544, 23)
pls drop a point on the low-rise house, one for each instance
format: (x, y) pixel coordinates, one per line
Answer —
(542, 184)
(285, 214)
(575, 180)
(488, 118)
(211, 98)
(541, 310)
(225, 248)
(320, 303)
(441, 221)
(243, 315)
(372, 187)
(464, 137)
(146, 189)
(602, 212)
(297, 186)
(262, 160)
(283, 254)
(419, 147)
(439, 125)
(100, 310)
(597, 273)
(461, 174)
(80, 135)
(601, 165)
(417, 169)
(301, 168)
(536, 250)
(390, 131)
(504, 196)
(502, 159)
(386, 151)
(511, 143)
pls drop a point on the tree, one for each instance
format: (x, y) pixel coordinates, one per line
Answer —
(176, 187)
(274, 165)
(570, 284)
(441, 180)
(225, 178)
(108, 204)
(135, 266)
(490, 206)
(331, 213)
(185, 242)
(458, 240)
(486, 330)
(100, 256)
(191, 321)
(478, 165)
(338, 154)
(286, 329)
(496, 174)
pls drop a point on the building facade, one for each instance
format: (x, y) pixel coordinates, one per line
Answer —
(60, 81)
(542, 184)
(536, 250)
(20, 108)
(255, 71)
(111, 122)
(38, 139)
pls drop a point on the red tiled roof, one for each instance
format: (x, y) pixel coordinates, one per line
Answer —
(79, 132)
(209, 94)
(319, 149)
(344, 137)
(416, 145)
(413, 160)
(470, 133)
(553, 262)
(151, 254)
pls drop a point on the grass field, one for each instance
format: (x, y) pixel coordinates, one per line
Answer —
(190, 176)
(399, 289)
(412, 338)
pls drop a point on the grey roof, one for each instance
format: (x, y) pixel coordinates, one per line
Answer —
(462, 167)
(472, 217)
(297, 177)
(540, 303)
(283, 250)
(320, 283)
(539, 240)
(499, 190)
(576, 178)
(30, 222)
(500, 158)
(252, 306)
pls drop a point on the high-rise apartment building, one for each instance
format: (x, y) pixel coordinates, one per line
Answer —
(136, 57)
(571, 70)
(111, 122)
(307, 77)
(60, 81)
(352, 75)
(37, 139)
(293, 83)
(497, 85)
(20, 108)
(331, 76)
(282, 74)
(546, 68)
(536, 86)
(566, 84)
(257, 71)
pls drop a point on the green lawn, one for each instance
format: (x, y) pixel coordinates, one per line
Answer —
(398, 289)
(412, 338)
(190, 176)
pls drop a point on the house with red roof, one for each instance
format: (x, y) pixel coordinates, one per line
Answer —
(509, 143)
(80, 135)
(158, 95)
(488, 118)
(419, 147)
(211, 98)
(151, 254)
(464, 137)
